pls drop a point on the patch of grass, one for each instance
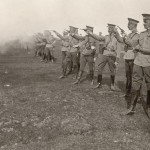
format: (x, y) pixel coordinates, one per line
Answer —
(40, 112)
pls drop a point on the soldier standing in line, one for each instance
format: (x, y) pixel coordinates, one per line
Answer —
(100, 48)
(52, 40)
(40, 45)
(111, 55)
(87, 53)
(49, 48)
(64, 50)
(73, 51)
(65, 44)
(130, 41)
(141, 69)
(70, 61)
(36, 44)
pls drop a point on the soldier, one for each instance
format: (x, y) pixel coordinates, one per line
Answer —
(36, 41)
(141, 69)
(49, 48)
(130, 41)
(71, 60)
(111, 55)
(73, 51)
(87, 53)
(64, 50)
(40, 45)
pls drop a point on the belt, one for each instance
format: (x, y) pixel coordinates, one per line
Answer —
(109, 50)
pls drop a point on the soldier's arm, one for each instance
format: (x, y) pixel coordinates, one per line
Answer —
(97, 37)
(60, 36)
(78, 37)
(132, 42)
(119, 38)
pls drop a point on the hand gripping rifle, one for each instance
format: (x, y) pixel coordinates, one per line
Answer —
(122, 32)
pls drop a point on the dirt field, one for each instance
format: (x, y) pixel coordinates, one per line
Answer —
(40, 112)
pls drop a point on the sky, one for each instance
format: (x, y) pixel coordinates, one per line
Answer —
(21, 18)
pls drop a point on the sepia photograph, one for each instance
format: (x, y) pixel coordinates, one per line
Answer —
(74, 75)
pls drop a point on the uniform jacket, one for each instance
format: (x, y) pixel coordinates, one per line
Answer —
(144, 43)
(87, 43)
(73, 41)
(130, 43)
(112, 46)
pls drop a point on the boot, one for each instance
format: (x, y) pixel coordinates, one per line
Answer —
(92, 77)
(146, 105)
(112, 82)
(69, 64)
(130, 111)
(79, 77)
(69, 72)
(128, 93)
(128, 101)
(128, 85)
(148, 99)
(99, 81)
(133, 101)
(75, 72)
(63, 74)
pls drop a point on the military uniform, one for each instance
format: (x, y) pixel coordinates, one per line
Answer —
(130, 41)
(110, 53)
(49, 48)
(69, 52)
(141, 69)
(87, 54)
(73, 51)
(65, 51)
(40, 45)
(65, 45)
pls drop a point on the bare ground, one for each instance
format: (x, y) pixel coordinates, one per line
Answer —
(40, 112)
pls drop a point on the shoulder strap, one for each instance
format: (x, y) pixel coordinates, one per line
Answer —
(133, 35)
